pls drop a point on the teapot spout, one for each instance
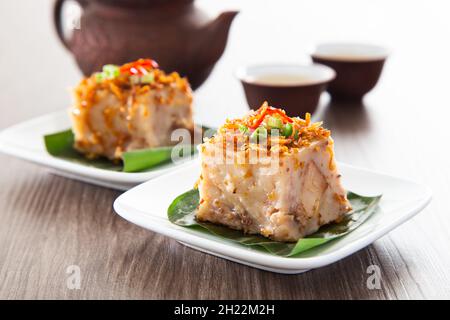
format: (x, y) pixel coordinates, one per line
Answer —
(217, 31)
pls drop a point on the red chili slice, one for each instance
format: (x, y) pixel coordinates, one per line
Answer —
(139, 67)
(269, 111)
(260, 119)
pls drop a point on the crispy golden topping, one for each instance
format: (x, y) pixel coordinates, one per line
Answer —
(273, 128)
(139, 76)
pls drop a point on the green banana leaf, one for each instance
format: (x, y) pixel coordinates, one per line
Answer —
(60, 145)
(183, 208)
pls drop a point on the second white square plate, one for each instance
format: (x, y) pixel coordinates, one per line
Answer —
(146, 205)
(26, 141)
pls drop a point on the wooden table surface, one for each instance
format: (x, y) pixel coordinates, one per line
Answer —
(48, 223)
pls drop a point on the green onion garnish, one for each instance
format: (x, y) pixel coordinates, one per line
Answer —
(259, 134)
(243, 129)
(274, 122)
(111, 71)
(99, 77)
(148, 78)
(287, 130)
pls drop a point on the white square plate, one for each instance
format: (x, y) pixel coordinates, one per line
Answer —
(146, 205)
(26, 141)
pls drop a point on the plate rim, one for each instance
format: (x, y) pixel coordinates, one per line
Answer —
(44, 159)
(182, 234)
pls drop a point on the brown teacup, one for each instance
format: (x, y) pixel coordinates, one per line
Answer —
(358, 68)
(294, 88)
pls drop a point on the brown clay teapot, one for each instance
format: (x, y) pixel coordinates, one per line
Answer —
(173, 32)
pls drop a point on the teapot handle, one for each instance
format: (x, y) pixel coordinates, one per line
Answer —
(57, 19)
(57, 8)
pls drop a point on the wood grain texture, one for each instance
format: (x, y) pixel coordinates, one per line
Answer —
(48, 223)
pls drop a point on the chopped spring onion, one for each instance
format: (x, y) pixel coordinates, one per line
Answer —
(111, 71)
(99, 77)
(259, 134)
(243, 129)
(274, 122)
(148, 78)
(287, 130)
